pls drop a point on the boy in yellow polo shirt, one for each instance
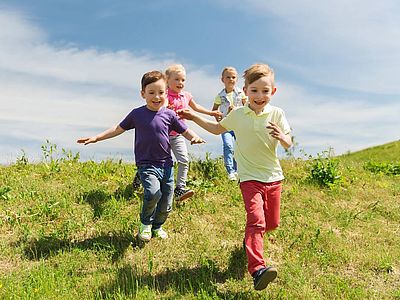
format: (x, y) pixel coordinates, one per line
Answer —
(258, 127)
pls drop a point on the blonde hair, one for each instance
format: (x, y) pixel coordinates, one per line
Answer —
(226, 69)
(177, 68)
(256, 71)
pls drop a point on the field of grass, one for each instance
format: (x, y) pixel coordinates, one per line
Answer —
(67, 232)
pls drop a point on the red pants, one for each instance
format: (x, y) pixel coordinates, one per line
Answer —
(262, 204)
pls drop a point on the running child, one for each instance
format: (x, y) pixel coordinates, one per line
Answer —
(152, 123)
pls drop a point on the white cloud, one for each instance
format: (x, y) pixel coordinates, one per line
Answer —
(320, 121)
(62, 93)
(347, 44)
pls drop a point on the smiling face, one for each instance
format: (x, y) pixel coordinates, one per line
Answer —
(155, 95)
(176, 81)
(259, 93)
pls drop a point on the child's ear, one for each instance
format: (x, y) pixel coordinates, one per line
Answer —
(245, 90)
(273, 91)
(142, 93)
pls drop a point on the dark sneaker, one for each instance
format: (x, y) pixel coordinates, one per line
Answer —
(263, 277)
(136, 184)
(182, 194)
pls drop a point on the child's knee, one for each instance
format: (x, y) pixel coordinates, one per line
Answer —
(256, 227)
(183, 161)
(153, 194)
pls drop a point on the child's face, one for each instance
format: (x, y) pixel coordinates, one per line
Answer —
(229, 79)
(259, 93)
(155, 95)
(176, 81)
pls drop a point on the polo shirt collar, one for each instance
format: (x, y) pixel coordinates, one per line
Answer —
(267, 109)
(175, 94)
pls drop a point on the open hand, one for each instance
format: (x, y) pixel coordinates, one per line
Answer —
(197, 140)
(185, 114)
(87, 140)
(276, 131)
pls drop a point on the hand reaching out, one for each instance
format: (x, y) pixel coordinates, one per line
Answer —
(185, 114)
(197, 140)
(87, 140)
(217, 115)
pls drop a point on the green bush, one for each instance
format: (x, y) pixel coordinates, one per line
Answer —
(208, 168)
(383, 168)
(325, 170)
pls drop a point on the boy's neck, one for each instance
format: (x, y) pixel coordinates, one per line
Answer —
(229, 90)
(152, 109)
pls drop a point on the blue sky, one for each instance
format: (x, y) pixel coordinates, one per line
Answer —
(72, 68)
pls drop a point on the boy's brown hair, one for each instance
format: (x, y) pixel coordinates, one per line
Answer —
(257, 71)
(151, 77)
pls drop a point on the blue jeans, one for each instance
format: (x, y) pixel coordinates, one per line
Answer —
(158, 186)
(228, 140)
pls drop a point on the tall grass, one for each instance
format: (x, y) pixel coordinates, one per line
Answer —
(68, 231)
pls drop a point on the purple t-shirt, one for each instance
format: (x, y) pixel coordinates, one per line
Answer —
(152, 129)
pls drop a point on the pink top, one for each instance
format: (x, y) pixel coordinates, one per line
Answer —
(178, 101)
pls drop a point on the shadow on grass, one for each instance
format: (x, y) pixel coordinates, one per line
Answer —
(98, 198)
(129, 193)
(115, 244)
(202, 279)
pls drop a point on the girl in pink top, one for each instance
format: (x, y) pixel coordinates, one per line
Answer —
(179, 99)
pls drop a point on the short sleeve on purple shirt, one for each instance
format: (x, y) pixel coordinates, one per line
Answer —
(152, 130)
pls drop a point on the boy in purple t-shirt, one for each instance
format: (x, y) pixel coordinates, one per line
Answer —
(152, 123)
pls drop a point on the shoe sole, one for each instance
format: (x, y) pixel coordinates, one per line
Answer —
(159, 237)
(185, 196)
(268, 276)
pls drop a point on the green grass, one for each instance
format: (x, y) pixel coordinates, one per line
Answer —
(67, 232)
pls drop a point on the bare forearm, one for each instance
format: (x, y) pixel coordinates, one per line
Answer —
(211, 126)
(197, 107)
(190, 134)
(286, 142)
(192, 137)
(110, 133)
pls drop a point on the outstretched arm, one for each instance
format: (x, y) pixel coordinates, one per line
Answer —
(277, 133)
(193, 137)
(197, 107)
(107, 134)
(210, 126)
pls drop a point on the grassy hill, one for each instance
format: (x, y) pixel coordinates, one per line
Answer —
(67, 232)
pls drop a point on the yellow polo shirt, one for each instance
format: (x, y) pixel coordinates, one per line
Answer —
(255, 149)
